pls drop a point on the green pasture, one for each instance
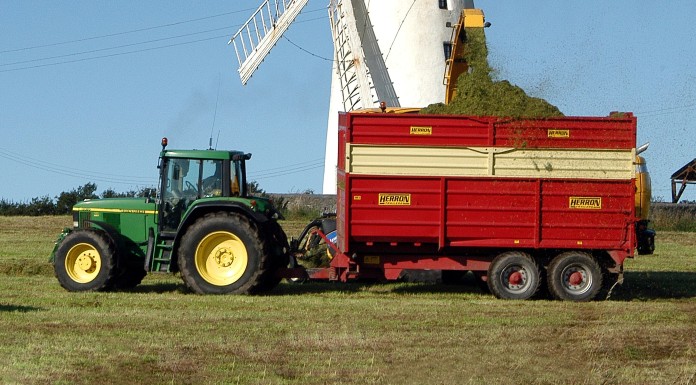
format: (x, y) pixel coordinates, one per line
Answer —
(322, 333)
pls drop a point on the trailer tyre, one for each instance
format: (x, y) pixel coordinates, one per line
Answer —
(574, 276)
(85, 261)
(514, 275)
(221, 253)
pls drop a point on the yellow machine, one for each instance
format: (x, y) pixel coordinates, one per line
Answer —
(456, 64)
(643, 189)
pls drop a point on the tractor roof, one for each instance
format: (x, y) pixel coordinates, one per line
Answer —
(204, 154)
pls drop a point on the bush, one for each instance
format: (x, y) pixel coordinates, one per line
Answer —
(673, 217)
(65, 201)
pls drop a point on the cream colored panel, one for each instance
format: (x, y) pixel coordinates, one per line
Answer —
(401, 160)
(493, 161)
(549, 163)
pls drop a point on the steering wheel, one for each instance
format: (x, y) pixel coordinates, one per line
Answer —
(190, 186)
(209, 183)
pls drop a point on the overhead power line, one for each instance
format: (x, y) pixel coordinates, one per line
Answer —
(295, 168)
(306, 51)
(145, 29)
(116, 47)
(95, 176)
(77, 173)
(666, 110)
(133, 51)
(283, 173)
(281, 169)
(115, 54)
(126, 32)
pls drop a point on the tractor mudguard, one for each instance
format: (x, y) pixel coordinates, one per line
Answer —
(59, 240)
(200, 209)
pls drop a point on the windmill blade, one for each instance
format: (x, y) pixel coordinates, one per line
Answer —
(255, 39)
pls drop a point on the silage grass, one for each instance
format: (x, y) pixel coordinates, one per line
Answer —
(479, 93)
(347, 333)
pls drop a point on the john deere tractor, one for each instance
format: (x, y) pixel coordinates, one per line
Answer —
(203, 224)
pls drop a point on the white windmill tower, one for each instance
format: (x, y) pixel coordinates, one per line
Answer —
(393, 51)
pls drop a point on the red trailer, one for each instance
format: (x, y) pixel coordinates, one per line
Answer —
(511, 200)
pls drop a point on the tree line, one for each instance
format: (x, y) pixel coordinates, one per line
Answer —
(62, 204)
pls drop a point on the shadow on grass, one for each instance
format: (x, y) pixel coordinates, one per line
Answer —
(318, 287)
(636, 286)
(468, 284)
(160, 288)
(18, 308)
(647, 285)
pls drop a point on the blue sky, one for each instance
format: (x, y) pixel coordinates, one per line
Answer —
(88, 88)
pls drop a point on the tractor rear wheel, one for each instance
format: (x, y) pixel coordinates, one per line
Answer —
(574, 276)
(85, 261)
(221, 253)
(514, 275)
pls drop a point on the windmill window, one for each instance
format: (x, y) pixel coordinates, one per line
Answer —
(448, 49)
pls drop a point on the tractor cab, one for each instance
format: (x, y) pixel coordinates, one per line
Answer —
(187, 176)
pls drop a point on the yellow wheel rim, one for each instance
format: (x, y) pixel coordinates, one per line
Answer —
(83, 263)
(221, 258)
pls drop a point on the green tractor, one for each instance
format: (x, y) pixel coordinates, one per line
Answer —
(204, 224)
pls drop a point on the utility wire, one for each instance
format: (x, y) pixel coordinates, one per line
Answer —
(399, 30)
(114, 54)
(290, 166)
(126, 32)
(22, 158)
(141, 181)
(666, 110)
(53, 170)
(275, 175)
(143, 30)
(116, 47)
(134, 51)
(306, 51)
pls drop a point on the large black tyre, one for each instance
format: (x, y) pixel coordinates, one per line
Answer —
(276, 247)
(221, 253)
(574, 276)
(452, 277)
(514, 275)
(132, 272)
(481, 278)
(86, 261)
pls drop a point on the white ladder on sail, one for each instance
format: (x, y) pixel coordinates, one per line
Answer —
(261, 32)
(356, 83)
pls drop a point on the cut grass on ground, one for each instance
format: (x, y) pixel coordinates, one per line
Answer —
(322, 333)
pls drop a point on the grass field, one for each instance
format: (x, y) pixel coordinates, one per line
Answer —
(397, 333)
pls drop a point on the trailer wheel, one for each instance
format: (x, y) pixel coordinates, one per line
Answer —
(513, 275)
(221, 253)
(574, 276)
(85, 261)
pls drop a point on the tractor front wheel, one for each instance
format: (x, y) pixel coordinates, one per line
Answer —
(85, 261)
(221, 253)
